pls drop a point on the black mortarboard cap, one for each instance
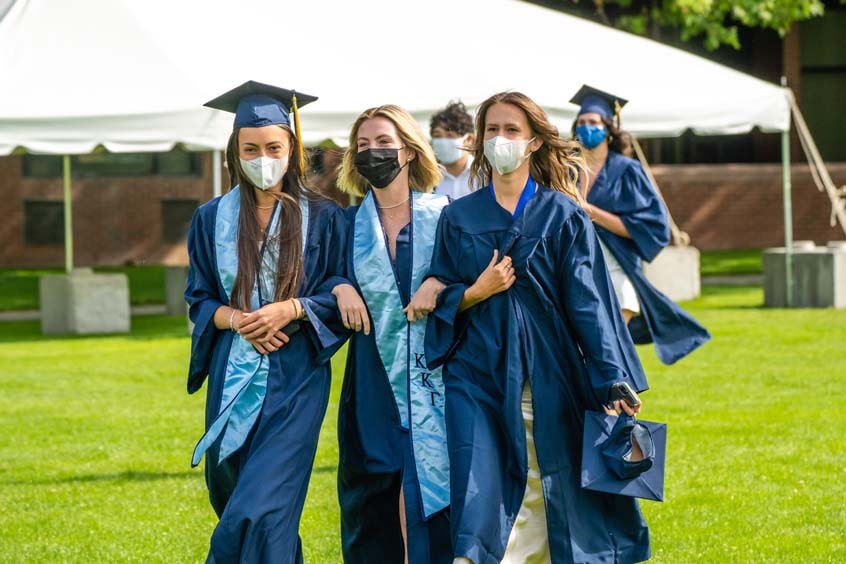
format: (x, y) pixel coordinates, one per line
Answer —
(257, 105)
(591, 99)
(606, 465)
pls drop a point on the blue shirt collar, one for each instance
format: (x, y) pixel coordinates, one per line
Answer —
(528, 191)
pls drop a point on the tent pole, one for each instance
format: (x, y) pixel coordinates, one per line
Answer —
(788, 215)
(66, 170)
(216, 181)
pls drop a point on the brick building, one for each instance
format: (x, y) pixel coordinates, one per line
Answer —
(127, 208)
(724, 191)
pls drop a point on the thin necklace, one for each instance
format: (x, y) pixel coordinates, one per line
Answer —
(265, 207)
(393, 206)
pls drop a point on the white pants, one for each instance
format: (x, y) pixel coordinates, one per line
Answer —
(529, 539)
(623, 287)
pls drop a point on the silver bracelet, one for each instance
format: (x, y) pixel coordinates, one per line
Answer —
(231, 317)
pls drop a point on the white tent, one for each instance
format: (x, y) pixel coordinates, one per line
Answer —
(81, 74)
(131, 75)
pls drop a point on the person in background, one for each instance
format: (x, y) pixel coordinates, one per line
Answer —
(632, 224)
(393, 474)
(264, 259)
(529, 336)
(452, 140)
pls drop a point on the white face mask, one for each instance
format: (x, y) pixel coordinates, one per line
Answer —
(265, 172)
(506, 155)
(448, 150)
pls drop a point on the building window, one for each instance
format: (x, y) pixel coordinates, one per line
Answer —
(41, 166)
(823, 82)
(110, 165)
(176, 219)
(44, 223)
(177, 162)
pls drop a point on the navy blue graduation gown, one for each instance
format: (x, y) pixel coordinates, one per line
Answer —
(375, 451)
(623, 188)
(259, 491)
(560, 327)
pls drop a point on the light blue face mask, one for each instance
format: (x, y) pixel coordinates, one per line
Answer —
(590, 136)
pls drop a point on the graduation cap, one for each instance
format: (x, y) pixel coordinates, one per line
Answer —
(256, 105)
(594, 100)
(607, 464)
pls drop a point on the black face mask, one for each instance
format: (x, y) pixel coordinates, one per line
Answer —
(378, 166)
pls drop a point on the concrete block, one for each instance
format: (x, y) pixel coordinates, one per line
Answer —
(819, 276)
(675, 272)
(175, 279)
(84, 303)
(804, 246)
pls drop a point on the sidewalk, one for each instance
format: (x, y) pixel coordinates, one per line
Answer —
(35, 315)
(733, 280)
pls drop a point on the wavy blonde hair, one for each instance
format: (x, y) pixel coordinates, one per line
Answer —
(556, 164)
(423, 171)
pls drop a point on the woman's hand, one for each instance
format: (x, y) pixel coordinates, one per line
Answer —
(352, 308)
(620, 405)
(496, 278)
(263, 327)
(273, 344)
(424, 300)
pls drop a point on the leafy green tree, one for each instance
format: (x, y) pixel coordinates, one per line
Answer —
(715, 21)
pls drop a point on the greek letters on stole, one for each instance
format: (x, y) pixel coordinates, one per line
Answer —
(418, 391)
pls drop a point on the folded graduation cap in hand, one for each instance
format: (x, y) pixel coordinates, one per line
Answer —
(610, 461)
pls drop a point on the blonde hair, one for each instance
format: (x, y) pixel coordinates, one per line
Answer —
(556, 164)
(423, 171)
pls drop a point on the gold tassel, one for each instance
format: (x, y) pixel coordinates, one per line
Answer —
(299, 135)
(617, 109)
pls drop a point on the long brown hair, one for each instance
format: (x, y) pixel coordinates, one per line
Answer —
(289, 268)
(556, 164)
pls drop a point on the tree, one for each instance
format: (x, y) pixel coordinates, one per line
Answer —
(716, 21)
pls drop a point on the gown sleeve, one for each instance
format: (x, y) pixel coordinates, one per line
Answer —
(445, 326)
(324, 326)
(593, 312)
(203, 296)
(645, 215)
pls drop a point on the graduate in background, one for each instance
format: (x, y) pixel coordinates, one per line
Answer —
(633, 226)
(393, 475)
(530, 335)
(264, 259)
(452, 140)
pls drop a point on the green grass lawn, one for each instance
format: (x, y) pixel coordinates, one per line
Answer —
(727, 263)
(19, 287)
(96, 436)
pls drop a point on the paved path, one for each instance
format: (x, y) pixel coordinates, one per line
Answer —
(733, 280)
(35, 315)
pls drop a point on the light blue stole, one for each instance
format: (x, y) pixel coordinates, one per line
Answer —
(418, 391)
(245, 378)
